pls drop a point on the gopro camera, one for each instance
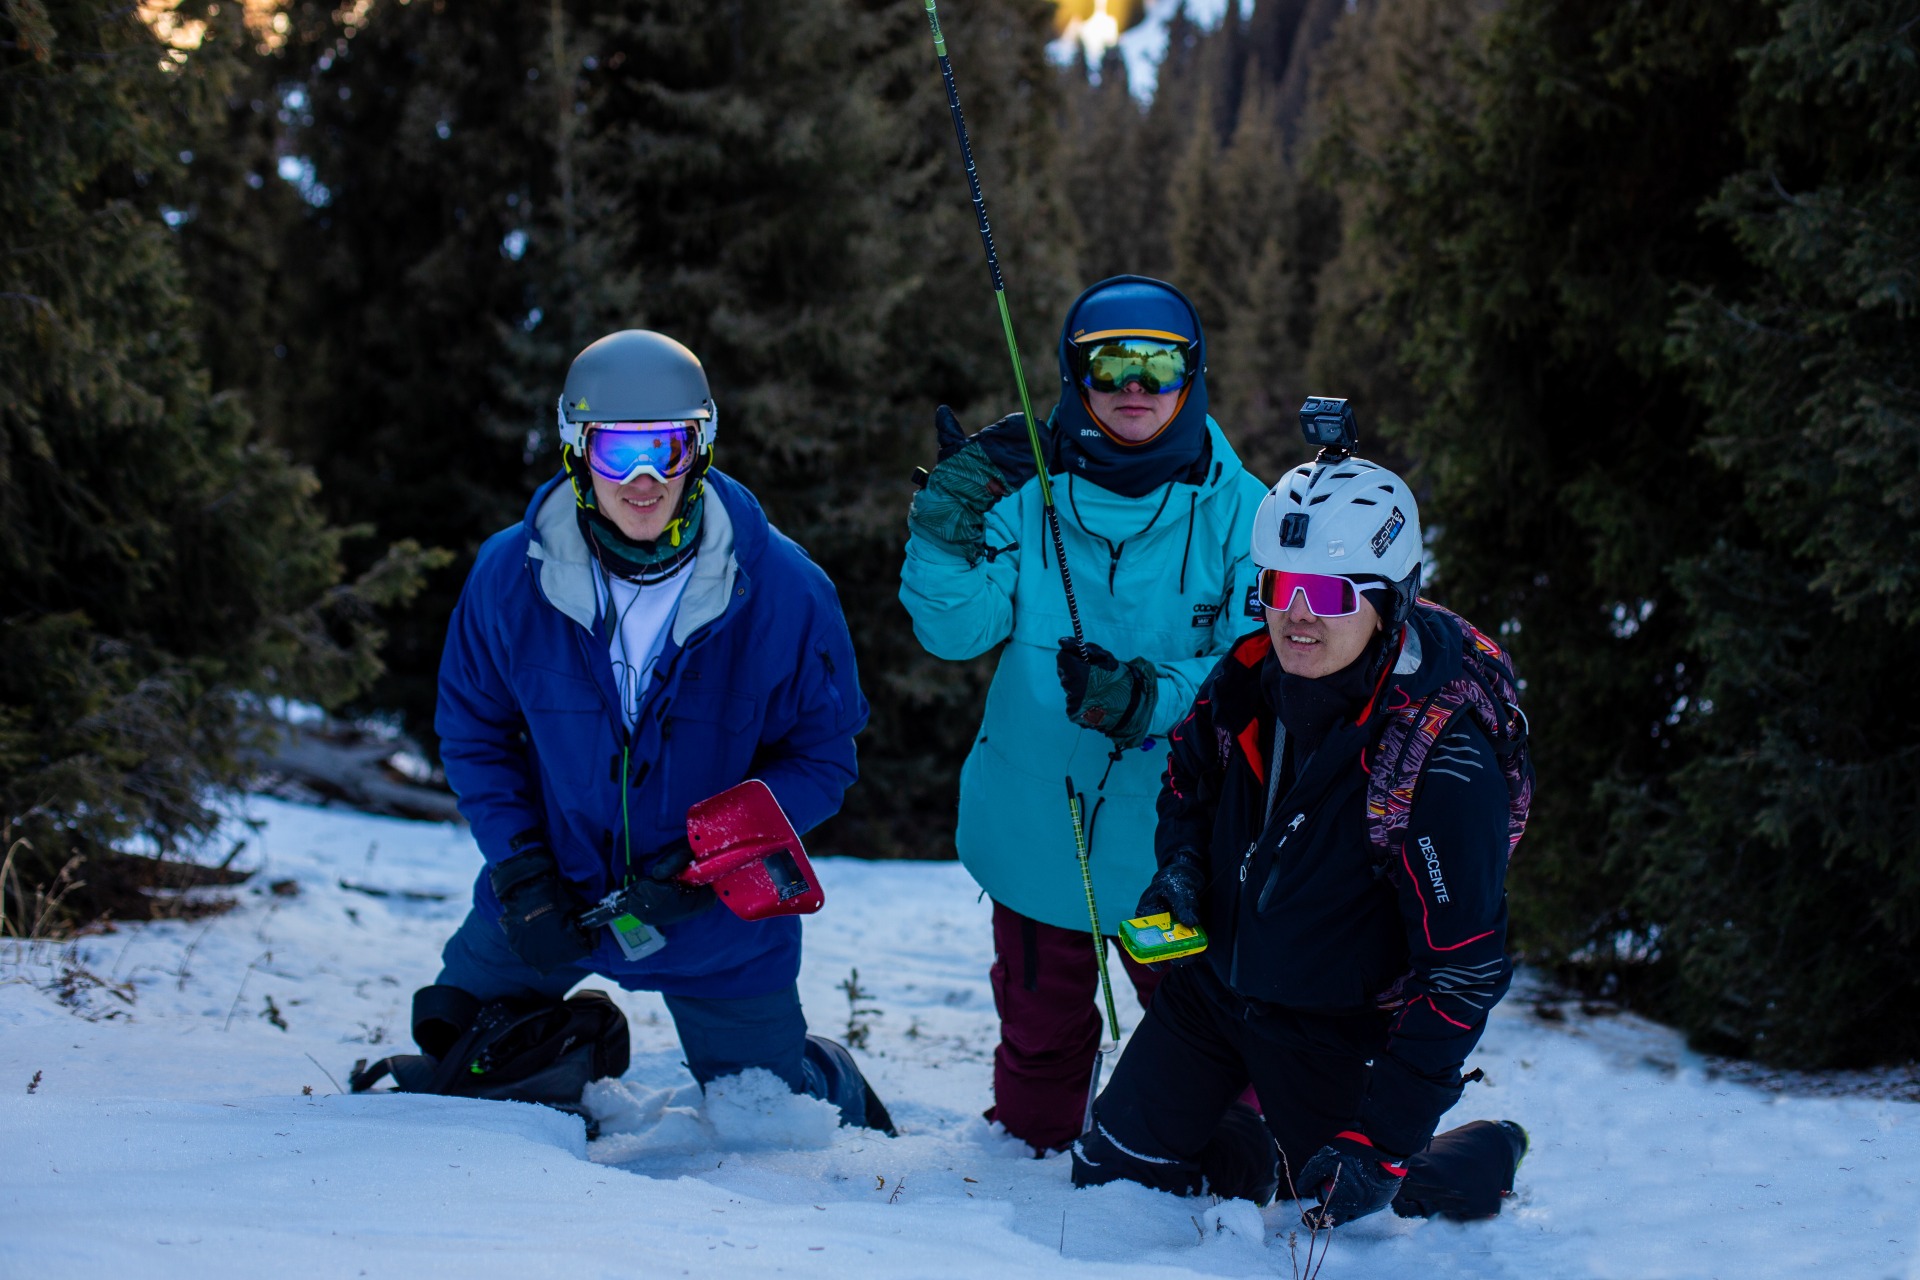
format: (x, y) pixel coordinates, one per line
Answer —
(1328, 422)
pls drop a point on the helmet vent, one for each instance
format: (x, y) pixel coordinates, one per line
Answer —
(1319, 498)
(1365, 502)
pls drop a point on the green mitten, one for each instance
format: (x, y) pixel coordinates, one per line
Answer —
(952, 509)
(1106, 694)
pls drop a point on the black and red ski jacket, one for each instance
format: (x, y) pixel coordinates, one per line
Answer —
(1304, 913)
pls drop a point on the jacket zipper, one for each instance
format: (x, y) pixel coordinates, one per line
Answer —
(1273, 873)
(1239, 896)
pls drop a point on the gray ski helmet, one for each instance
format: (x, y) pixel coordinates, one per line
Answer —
(636, 375)
(1346, 516)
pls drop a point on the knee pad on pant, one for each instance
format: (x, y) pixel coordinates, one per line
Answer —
(1100, 1157)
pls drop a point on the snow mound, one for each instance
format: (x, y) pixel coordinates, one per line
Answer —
(753, 1111)
(198, 1135)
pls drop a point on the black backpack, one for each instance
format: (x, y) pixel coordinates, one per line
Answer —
(541, 1051)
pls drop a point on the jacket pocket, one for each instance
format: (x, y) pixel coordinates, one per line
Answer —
(724, 708)
(544, 689)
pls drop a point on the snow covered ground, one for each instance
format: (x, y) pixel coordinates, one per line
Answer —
(185, 1121)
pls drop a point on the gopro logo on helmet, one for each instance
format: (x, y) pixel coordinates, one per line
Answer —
(1388, 532)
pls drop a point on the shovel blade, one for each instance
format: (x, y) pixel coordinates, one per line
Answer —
(746, 849)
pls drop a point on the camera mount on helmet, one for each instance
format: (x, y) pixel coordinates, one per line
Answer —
(1328, 422)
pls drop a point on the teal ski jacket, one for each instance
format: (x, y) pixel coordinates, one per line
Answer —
(1166, 577)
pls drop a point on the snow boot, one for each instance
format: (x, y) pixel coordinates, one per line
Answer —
(1464, 1174)
(832, 1074)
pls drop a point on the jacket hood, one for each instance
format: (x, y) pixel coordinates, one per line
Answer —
(1085, 447)
(1430, 655)
(733, 534)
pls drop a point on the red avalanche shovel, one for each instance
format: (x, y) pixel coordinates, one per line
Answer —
(746, 849)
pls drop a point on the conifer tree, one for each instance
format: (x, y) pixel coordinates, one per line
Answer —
(438, 292)
(1288, 42)
(234, 216)
(163, 570)
(1231, 229)
(1165, 132)
(1108, 181)
(1385, 70)
(1519, 210)
(1784, 861)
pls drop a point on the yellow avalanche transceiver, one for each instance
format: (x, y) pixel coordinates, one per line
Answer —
(1151, 939)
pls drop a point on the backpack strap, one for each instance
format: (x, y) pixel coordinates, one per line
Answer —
(1487, 690)
(364, 1077)
(410, 1072)
(487, 1023)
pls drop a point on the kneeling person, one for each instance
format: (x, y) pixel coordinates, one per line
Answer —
(1354, 949)
(643, 640)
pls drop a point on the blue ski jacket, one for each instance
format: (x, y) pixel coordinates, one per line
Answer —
(756, 679)
(1166, 577)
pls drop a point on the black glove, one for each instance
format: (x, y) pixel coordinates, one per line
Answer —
(659, 899)
(538, 910)
(1006, 443)
(1175, 889)
(669, 860)
(1106, 694)
(1351, 1178)
(973, 473)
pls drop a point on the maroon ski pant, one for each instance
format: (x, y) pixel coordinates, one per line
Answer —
(1046, 988)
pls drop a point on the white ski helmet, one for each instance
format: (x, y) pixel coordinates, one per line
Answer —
(1344, 516)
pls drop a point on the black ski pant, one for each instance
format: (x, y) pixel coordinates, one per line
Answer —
(1160, 1119)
